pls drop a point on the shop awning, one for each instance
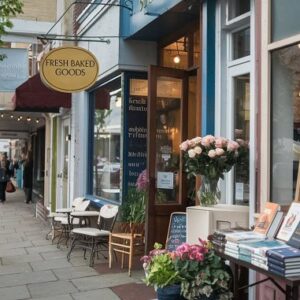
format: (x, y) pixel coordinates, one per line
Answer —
(33, 95)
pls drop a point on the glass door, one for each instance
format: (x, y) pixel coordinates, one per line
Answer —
(167, 127)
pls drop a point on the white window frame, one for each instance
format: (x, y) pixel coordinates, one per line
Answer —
(226, 70)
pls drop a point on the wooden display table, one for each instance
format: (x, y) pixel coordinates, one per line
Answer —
(240, 270)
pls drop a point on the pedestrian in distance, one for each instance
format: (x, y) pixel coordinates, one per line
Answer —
(3, 178)
(28, 177)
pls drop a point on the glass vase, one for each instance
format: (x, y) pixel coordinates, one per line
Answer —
(209, 193)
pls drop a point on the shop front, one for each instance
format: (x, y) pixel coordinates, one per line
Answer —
(137, 118)
(279, 109)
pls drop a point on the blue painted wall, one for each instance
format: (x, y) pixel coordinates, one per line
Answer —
(208, 68)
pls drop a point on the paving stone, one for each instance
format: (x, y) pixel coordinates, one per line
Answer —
(50, 264)
(12, 252)
(75, 272)
(16, 268)
(51, 289)
(11, 260)
(15, 245)
(105, 293)
(41, 242)
(14, 293)
(96, 282)
(26, 278)
(40, 249)
(59, 297)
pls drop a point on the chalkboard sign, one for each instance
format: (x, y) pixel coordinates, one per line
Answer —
(177, 231)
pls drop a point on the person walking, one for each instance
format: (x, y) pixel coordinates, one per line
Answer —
(27, 177)
(3, 178)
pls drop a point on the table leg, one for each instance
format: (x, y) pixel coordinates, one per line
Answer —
(291, 293)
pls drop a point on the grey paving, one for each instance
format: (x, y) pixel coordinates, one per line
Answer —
(31, 267)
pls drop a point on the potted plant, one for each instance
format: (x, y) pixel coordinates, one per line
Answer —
(193, 271)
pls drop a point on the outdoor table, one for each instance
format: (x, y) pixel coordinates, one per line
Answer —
(240, 270)
(85, 215)
(64, 210)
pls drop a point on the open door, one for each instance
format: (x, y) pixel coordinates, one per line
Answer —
(167, 127)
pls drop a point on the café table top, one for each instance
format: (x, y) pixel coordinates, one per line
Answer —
(64, 210)
(85, 213)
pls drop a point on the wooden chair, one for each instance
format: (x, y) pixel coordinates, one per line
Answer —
(95, 239)
(127, 243)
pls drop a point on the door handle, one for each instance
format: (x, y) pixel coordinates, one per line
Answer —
(59, 175)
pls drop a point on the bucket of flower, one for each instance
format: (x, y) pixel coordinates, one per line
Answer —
(190, 272)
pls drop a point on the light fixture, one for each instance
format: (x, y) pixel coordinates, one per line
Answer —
(18, 119)
(37, 120)
(11, 116)
(2, 115)
(299, 46)
(28, 119)
(176, 58)
(21, 117)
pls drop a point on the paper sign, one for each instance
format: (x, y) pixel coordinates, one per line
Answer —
(165, 180)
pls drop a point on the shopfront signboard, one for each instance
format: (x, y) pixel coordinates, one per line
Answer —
(177, 231)
(69, 69)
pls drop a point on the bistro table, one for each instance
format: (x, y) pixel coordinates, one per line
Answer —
(85, 216)
(240, 270)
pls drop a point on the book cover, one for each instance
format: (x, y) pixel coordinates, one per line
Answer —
(290, 222)
(275, 225)
(281, 274)
(243, 236)
(283, 271)
(294, 240)
(284, 253)
(266, 218)
(260, 247)
(259, 264)
(283, 265)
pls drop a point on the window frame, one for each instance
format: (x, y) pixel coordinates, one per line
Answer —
(226, 70)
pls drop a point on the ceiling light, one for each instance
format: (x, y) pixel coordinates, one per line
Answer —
(21, 117)
(176, 59)
(28, 119)
(11, 116)
(18, 119)
(37, 120)
(2, 115)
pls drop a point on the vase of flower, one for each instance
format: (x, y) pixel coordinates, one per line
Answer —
(209, 193)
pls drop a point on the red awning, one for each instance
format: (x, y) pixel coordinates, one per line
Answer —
(33, 95)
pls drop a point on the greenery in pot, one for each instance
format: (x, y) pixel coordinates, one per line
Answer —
(199, 271)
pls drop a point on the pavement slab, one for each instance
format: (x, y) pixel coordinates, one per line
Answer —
(14, 293)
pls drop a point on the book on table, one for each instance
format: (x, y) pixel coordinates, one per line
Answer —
(282, 264)
(286, 254)
(290, 222)
(266, 218)
(294, 240)
(285, 273)
(275, 225)
(238, 237)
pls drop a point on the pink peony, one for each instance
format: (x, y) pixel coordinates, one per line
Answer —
(184, 145)
(212, 153)
(232, 146)
(220, 142)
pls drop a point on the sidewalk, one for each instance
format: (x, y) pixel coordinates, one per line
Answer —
(32, 268)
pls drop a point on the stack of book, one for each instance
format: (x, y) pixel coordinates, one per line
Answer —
(284, 261)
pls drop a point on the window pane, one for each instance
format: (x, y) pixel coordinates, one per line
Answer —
(168, 134)
(285, 18)
(241, 43)
(285, 123)
(237, 8)
(242, 131)
(107, 131)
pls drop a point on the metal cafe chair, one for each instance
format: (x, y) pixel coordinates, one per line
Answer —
(95, 239)
(67, 222)
(55, 218)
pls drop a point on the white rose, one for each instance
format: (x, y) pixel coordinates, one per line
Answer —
(197, 140)
(198, 150)
(211, 153)
(192, 153)
(219, 151)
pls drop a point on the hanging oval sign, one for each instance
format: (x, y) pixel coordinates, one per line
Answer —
(69, 69)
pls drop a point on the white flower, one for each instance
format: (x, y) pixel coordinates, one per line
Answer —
(198, 150)
(197, 140)
(211, 153)
(192, 153)
(219, 151)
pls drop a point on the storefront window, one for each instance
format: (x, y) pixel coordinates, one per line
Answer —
(242, 131)
(107, 141)
(285, 18)
(241, 43)
(237, 8)
(285, 123)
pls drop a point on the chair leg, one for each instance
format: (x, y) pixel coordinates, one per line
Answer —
(73, 243)
(92, 253)
(130, 257)
(109, 252)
